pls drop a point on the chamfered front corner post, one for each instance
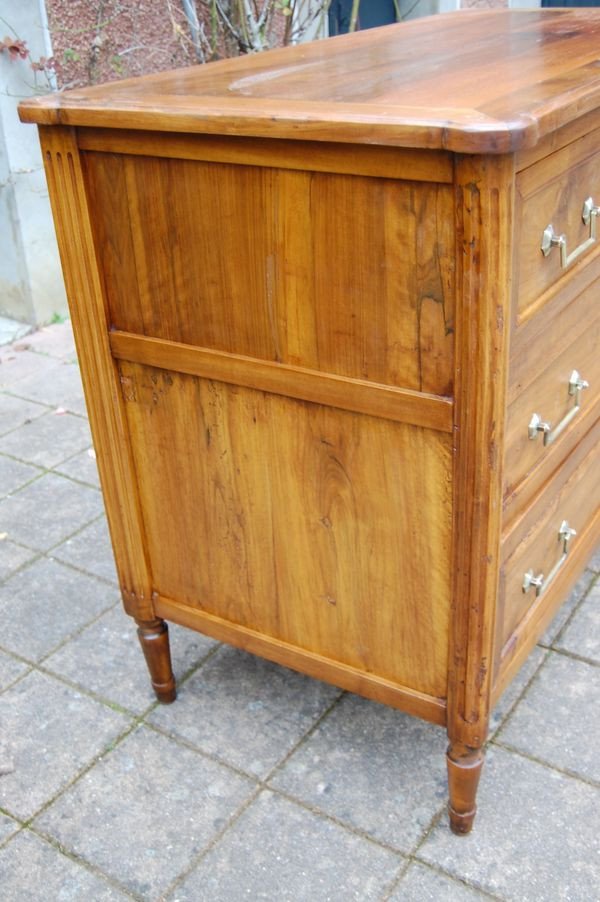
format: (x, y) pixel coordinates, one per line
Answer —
(484, 187)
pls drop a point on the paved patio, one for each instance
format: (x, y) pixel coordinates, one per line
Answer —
(258, 783)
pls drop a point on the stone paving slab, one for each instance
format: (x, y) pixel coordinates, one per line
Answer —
(566, 609)
(514, 690)
(48, 440)
(48, 511)
(246, 711)
(8, 827)
(145, 810)
(107, 660)
(17, 365)
(10, 670)
(300, 858)
(11, 330)
(14, 474)
(594, 563)
(536, 837)
(582, 635)
(374, 768)
(15, 411)
(52, 733)
(90, 550)
(56, 341)
(45, 603)
(81, 467)
(63, 389)
(421, 884)
(31, 869)
(355, 786)
(557, 719)
(13, 557)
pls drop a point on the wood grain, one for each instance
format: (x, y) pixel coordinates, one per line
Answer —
(324, 529)
(572, 494)
(98, 369)
(313, 156)
(401, 405)
(348, 275)
(353, 679)
(553, 191)
(548, 396)
(485, 204)
(539, 616)
(510, 78)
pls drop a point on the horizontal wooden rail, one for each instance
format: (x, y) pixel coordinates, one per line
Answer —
(314, 156)
(321, 668)
(402, 405)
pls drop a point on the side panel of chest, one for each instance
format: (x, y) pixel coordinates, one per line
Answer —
(284, 332)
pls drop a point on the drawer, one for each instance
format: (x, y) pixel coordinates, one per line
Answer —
(556, 209)
(550, 409)
(539, 546)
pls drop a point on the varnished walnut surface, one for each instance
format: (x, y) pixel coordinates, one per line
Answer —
(491, 81)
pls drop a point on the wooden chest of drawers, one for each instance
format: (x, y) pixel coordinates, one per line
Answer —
(337, 315)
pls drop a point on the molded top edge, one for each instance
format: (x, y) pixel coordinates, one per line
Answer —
(470, 81)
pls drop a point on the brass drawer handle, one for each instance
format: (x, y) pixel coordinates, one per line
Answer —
(537, 425)
(540, 582)
(550, 239)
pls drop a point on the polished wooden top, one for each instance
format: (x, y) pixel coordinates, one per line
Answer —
(469, 81)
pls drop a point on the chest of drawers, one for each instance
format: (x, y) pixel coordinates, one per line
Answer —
(337, 314)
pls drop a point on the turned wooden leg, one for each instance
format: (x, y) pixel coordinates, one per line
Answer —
(464, 769)
(154, 639)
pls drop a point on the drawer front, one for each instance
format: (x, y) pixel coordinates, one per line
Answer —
(539, 545)
(550, 409)
(556, 212)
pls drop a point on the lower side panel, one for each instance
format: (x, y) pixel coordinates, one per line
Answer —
(350, 678)
(318, 536)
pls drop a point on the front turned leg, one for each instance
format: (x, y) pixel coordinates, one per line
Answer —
(154, 639)
(464, 769)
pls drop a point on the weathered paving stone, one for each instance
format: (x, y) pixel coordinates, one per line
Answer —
(15, 411)
(64, 389)
(48, 510)
(374, 768)
(14, 474)
(81, 467)
(90, 550)
(581, 587)
(145, 810)
(246, 711)
(557, 720)
(55, 340)
(280, 852)
(110, 646)
(582, 635)
(33, 870)
(48, 440)
(10, 670)
(421, 884)
(12, 557)
(43, 604)
(8, 827)
(17, 365)
(53, 732)
(594, 563)
(536, 836)
(513, 691)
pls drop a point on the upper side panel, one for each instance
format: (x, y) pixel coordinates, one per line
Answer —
(345, 274)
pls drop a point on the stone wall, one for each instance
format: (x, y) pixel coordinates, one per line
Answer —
(31, 287)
